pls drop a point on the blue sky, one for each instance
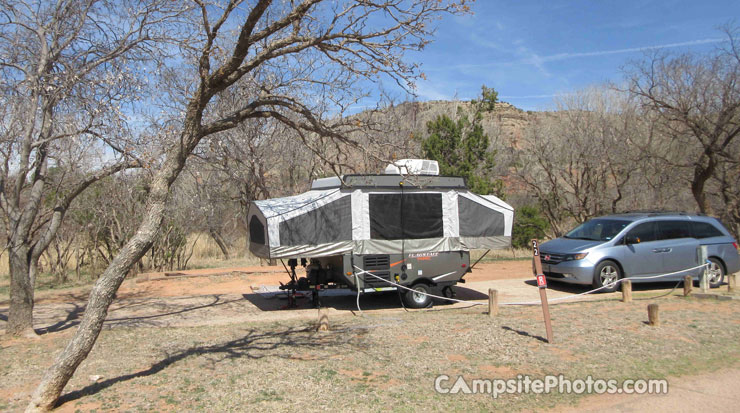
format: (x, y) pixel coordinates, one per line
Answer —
(530, 51)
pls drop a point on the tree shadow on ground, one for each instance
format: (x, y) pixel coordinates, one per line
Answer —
(253, 345)
(74, 315)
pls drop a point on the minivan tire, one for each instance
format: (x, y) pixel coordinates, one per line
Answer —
(715, 272)
(605, 273)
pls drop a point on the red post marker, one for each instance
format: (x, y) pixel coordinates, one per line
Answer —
(542, 284)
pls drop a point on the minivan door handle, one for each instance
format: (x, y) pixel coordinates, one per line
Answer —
(659, 250)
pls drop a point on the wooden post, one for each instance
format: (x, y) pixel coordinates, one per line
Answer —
(653, 316)
(704, 277)
(627, 291)
(323, 320)
(492, 302)
(688, 285)
(542, 286)
(731, 282)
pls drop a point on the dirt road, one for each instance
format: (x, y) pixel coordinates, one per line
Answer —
(712, 392)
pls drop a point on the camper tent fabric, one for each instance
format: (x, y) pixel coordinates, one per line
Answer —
(375, 221)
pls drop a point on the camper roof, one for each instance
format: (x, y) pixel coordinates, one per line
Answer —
(390, 181)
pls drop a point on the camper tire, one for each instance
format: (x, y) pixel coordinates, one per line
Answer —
(417, 296)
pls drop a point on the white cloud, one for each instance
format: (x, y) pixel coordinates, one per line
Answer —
(564, 56)
(538, 61)
(426, 91)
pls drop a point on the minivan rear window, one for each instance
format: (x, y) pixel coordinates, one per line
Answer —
(704, 230)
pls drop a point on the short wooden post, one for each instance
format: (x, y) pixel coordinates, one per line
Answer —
(492, 302)
(627, 291)
(704, 277)
(731, 283)
(653, 317)
(323, 320)
(688, 285)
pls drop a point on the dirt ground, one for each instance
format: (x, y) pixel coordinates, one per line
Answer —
(204, 340)
(226, 295)
(240, 280)
(380, 360)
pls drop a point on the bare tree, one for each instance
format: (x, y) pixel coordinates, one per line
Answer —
(63, 82)
(579, 161)
(322, 46)
(696, 100)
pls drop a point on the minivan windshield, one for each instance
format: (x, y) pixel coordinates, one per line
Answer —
(598, 229)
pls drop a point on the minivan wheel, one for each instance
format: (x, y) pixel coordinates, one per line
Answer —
(715, 273)
(606, 273)
(417, 296)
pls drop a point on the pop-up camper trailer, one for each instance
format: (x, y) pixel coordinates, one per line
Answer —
(359, 231)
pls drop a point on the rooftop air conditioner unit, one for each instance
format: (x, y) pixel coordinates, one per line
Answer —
(412, 167)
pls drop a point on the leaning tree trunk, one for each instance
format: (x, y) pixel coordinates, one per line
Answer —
(20, 315)
(220, 241)
(55, 379)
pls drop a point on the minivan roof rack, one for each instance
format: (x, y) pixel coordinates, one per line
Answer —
(653, 212)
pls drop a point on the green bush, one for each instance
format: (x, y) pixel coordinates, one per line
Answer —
(528, 224)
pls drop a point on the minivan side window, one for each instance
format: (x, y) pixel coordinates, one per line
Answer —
(645, 232)
(704, 230)
(673, 229)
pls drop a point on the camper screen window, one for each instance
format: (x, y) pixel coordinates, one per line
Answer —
(256, 231)
(416, 216)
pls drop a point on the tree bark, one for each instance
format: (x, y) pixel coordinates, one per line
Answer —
(55, 379)
(220, 241)
(701, 176)
(20, 314)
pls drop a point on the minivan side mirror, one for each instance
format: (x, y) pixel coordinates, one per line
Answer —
(632, 239)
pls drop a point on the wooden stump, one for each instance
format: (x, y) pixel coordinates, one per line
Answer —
(731, 283)
(688, 285)
(492, 302)
(627, 291)
(323, 320)
(653, 316)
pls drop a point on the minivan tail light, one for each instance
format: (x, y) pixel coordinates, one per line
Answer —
(734, 244)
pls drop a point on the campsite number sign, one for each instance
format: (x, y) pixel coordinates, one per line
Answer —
(542, 284)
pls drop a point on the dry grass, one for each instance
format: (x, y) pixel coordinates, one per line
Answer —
(207, 254)
(503, 254)
(384, 361)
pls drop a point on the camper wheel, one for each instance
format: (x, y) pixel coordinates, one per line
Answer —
(448, 292)
(417, 297)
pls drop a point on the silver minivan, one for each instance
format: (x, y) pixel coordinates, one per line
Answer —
(640, 245)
